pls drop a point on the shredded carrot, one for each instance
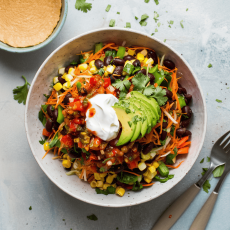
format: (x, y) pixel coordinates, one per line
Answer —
(155, 85)
(47, 152)
(183, 150)
(161, 121)
(131, 173)
(186, 144)
(182, 141)
(146, 185)
(175, 167)
(130, 78)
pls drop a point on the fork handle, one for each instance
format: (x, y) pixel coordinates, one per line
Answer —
(203, 216)
(177, 208)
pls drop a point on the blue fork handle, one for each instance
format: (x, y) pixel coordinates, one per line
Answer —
(176, 209)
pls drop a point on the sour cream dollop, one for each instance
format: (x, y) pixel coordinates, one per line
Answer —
(103, 121)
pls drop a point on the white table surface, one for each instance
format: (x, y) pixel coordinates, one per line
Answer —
(204, 39)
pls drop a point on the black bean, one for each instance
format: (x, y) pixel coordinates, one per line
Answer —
(181, 90)
(118, 70)
(108, 60)
(118, 168)
(187, 133)
(148, 148)
(152, 78)
(185, 123)
(67, 97)
(153, 55)
(56, 125)
(180, 132)
(165, 124)
(170, 102)
(168, 93)
(138, 171)
(141, 71)
(137, 63)
(61, 80)
(188, 97)
(112, 78)
(55, 115)
(74, 154)
(169, 64)
(64, 131)
(50, 110)
(118, 62)
(163, 135)
(99, 63)
(68, 67)
(49, 125)
(122, 78)
(187, 110)
(128, 58)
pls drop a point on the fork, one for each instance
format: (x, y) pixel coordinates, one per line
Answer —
(177, 208)
(203, 216)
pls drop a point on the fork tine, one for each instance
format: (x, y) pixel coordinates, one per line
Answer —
(225, 142)
(218, 142)
(227, 147)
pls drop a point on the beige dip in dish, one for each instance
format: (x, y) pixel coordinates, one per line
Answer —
(26, 23)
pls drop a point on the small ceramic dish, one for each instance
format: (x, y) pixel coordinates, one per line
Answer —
(66, 53)
(55, 32)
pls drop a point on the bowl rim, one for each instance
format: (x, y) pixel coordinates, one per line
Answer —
(128, 30)
(42, 44)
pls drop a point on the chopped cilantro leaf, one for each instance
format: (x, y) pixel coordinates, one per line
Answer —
(83, 6)
(42, 141)
(152, 34)
(143, 20)
(165, 40)
(143, 23)
(202, 160)
(109, 190)
(208, 159)
(156, 30)
(92, 217)
(156, 1)
(101, 71)
(74, 63)
(181, 24)
(112, 23)
(209, 65)
(218, 171)
(219, 101)
(204, 171)
(128, 68)
(147, 1)
(127, 110)
(118, 12)
(206, 186)
(20, 92)
(158, 24)
(63, 219)
(128, 25)
(108, 8)
(140, 81)
(171, 22)
(187, 9)
(136, 17)
(123, 86)
(156, 16)
(30, 208)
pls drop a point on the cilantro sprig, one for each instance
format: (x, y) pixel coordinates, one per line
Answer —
(83, 6)
(20, 92)
(123, 86)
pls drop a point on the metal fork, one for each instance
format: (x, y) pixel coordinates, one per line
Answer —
(177, 208)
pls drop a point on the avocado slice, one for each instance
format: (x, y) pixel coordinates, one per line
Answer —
(124, 118)
(145, 113)
(152, 104)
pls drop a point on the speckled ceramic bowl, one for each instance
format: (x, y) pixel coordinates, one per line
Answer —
(62, 56)
(56, 31)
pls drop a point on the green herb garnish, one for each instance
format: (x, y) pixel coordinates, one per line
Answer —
(218, 171)
(219, 101)
(181, 24)
(136, 17)
(143, 20)
(112, 23)
(108, 8)
(202, 160)
(92, 217)
(206, 186)
(128, 25)
(156, 1)
(30, 208)
(42, 141)
(109, 190)
(209, 65)
(83, 6)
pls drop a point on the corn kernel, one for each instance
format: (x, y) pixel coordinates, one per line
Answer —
(61, 70)
(103, 175)
(149, 61)
(71, 70)
(66, 163)
(109, 179)
(66, 85)
(97, 176)
(76, 140)
(146, 174)
(120, 191)
(83, 67)
(140, 57)
(114, 185)
(128, 62)
(65, 156)
(155, 164)
(68, 77)
(93, 69)
(46, 146)
(55, 80)
(99, 183)
(145, 60)
(105, 186)
(57, 86)
(147, 180)
(131, 52)
(106, 74)
(93, 184)
(152, 169)
(104, 68)
(86, 55)
(150, 175)
(110, 69)
(92, 63)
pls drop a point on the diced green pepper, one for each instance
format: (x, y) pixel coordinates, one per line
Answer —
(160, 179)
(98, 46)
(121, 52)
(181, 100)
(170, 157)
(82, 60)
(158, 78)
(60, 117)
(163, 169)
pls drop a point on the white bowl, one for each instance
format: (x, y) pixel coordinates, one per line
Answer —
(62, 56)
